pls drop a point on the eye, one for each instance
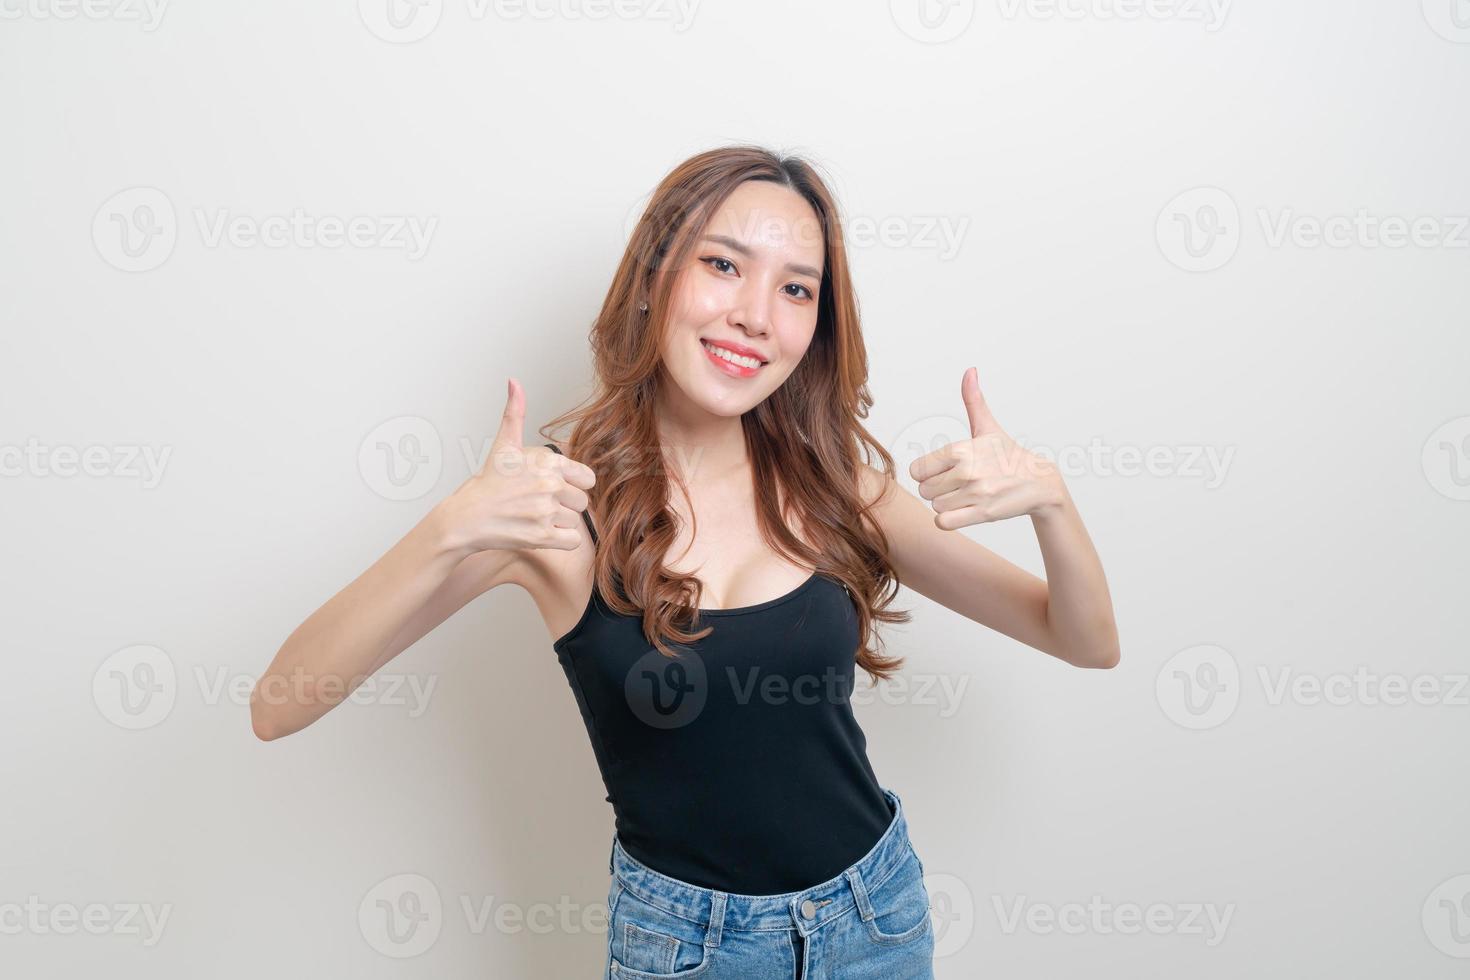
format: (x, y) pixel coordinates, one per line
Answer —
(715, 260)
(799, 286)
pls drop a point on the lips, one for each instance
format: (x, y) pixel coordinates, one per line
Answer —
(729, 368)
(735, 348)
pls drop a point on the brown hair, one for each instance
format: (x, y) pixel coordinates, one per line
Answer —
(805, 436)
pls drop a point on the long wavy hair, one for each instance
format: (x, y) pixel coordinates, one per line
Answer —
(804, 439)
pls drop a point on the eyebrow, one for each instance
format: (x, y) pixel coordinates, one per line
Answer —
(728, 242)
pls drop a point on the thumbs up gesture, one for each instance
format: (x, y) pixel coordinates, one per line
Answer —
(521, 498)
(988, 477)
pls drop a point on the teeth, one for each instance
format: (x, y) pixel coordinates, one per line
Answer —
(733, 358)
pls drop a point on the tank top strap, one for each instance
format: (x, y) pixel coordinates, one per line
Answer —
(586, 517)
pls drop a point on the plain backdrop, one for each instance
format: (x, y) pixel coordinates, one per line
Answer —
(1213, 255)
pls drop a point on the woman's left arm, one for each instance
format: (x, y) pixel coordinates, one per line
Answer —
(989, 477)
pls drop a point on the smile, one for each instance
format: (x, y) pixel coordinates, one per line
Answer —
(736, 365)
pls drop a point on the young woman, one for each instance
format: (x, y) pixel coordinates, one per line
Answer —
(711, 636)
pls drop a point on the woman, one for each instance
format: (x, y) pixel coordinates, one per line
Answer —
(711, 636)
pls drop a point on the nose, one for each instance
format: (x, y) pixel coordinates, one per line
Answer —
(752, 311)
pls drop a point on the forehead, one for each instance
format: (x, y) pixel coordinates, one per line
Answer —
(773, 221)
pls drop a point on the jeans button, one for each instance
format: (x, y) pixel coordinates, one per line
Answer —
(808, 909)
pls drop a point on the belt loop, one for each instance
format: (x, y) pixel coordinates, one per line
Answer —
(610, 853)
(865, 907)
(716, 919)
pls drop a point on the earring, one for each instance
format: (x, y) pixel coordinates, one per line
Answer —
(643, 307)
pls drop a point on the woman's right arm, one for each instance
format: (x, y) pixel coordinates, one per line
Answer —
(470, 542)
(418, 584)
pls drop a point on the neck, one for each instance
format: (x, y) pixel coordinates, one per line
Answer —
(698, 446)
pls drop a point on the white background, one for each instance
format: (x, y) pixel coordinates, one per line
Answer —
(1118, 184)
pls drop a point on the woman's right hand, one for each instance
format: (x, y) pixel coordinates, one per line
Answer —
(521, 498)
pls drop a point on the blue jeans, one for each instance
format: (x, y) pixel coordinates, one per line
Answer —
(871, 922)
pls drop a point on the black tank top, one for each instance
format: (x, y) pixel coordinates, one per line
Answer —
(738, 765)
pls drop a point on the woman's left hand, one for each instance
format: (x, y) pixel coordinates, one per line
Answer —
(988, 477)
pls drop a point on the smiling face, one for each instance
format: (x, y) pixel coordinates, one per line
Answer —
(744, 307)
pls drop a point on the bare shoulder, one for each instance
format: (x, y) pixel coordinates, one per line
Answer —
(875, 485)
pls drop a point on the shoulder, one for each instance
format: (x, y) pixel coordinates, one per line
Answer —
(875, 485)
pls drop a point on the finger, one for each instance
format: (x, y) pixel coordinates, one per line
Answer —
(564, 539)
(513, 421)
(577, 474)
(572, 498)
(565, 534)
(941, 483)
(962, 517)
(981, 421)
(930, 465)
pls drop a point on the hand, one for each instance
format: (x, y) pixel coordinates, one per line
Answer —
(521, 498)
(987, 477)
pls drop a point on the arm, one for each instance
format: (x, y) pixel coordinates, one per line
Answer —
(1069, 615)
(477, 538)
(988, 477)
(418, 584)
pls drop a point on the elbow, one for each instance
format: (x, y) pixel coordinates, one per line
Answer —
(262, 723)
(1104, 656)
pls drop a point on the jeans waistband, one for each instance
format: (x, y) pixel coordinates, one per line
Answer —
(805, 910)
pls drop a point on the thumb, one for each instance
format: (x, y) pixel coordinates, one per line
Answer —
(513, 421)
(981, 421)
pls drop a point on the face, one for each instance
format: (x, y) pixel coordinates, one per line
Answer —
(744, 307)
